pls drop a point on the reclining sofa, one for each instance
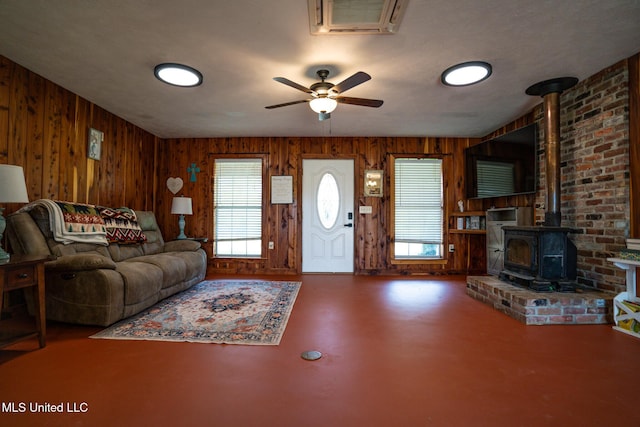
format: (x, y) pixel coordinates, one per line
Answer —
(100, 273)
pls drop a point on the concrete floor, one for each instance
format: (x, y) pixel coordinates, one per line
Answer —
(397, 351)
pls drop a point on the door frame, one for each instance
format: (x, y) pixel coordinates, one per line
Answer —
(356, 185)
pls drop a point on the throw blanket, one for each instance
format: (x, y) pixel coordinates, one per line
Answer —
(122, 225)
(73, 222)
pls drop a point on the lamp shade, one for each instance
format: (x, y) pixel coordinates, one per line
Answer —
(181, 206)
(13, 188)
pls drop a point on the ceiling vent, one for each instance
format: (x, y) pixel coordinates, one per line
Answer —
(355, 16)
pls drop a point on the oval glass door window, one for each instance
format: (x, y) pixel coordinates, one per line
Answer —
(328, 201)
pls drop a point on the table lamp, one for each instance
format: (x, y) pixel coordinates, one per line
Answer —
(12, 190)
(181, 206)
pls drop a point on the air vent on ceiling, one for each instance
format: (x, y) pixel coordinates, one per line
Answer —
(355, 16)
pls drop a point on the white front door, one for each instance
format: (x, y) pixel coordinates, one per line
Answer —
(327, 216)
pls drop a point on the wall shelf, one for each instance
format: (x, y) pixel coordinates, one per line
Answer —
(469, 213)
(456, 231)
(466, 218)
(471, 239)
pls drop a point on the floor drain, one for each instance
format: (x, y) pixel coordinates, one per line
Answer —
(311, 355)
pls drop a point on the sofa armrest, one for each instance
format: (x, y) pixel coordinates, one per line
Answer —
(80, 262)
(181, 246)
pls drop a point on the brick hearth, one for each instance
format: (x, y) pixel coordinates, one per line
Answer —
(583, 307)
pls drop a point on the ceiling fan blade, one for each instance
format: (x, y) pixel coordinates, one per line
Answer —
(292, 84)
(360, 101)
(287, 103)
(358, 78)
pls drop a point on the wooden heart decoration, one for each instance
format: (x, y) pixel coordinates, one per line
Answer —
(174, 184)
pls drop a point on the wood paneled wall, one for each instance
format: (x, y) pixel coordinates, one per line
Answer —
(284, 157)
(44, 128)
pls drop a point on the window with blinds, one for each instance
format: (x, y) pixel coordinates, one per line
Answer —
(495, 178)
(418, 208)
(237, 206)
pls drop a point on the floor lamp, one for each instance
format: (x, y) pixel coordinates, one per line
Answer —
(12, 190)
(181, 206)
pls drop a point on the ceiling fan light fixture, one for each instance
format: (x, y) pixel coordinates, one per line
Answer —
(467, 73)
(324, 116)
(323, 105)
(178, 75)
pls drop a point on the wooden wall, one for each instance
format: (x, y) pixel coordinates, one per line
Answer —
(284, 157)
(44, 128)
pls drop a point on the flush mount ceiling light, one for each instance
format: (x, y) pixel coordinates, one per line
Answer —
(178, 75)
(466, 74)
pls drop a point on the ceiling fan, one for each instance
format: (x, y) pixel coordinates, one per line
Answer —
(325, 96)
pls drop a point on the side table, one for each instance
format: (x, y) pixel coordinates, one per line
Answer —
(25, 271)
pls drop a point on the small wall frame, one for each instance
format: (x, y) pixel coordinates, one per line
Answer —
(281, 189)
(373, 183)
(94, 146)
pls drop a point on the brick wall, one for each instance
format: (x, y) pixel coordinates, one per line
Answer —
(594, 127)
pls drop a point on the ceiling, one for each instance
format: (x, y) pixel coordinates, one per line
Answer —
(106, 50)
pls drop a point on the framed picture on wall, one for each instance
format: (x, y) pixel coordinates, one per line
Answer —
(373, 183)
(95, 144)
(281, 189)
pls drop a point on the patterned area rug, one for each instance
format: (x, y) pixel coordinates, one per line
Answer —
(221, 312)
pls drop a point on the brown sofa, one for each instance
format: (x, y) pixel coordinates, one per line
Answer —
(94, 284)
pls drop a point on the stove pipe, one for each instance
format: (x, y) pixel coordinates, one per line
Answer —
(550, 91)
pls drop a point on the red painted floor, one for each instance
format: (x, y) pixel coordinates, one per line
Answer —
(396, 352)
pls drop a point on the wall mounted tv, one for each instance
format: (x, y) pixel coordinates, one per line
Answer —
(503, 166)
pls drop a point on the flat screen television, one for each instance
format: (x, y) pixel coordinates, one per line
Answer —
(503, 166)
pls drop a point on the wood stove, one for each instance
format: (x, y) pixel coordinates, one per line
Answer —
(544, 258)
(540, 258)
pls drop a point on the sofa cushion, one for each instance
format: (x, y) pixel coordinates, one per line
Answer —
(195, 262)
(142, 281)
(40, 216)
(174, 268)
(24, 235)
(125, 252)
(149, 225)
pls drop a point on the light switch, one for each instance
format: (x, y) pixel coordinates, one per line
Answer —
(365, 209)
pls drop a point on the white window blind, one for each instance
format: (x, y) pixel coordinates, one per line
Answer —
(495, 178)
(418, 206)
(237, 204)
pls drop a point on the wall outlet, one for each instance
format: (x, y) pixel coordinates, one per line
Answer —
(452, 247)
(271, 245)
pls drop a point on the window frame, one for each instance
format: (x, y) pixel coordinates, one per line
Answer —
(263, 242)
(442, 259)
